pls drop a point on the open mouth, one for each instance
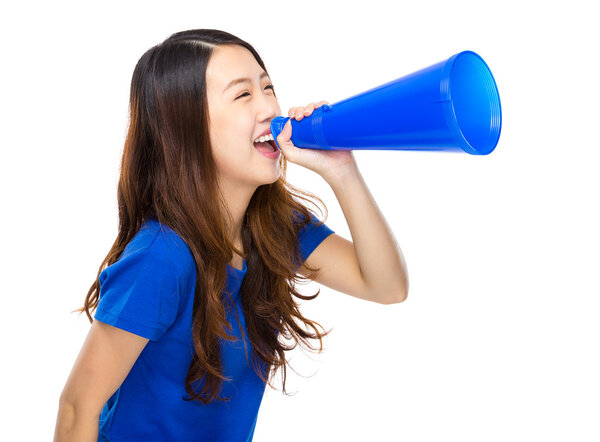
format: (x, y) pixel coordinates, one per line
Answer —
(266, 146)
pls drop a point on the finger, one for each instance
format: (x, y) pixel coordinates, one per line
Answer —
(285, 135)
(284, 139)
(309, 109)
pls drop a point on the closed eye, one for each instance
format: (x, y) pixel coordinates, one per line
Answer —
(246, 93)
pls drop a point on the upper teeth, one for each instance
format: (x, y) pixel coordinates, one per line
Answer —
(264, 138)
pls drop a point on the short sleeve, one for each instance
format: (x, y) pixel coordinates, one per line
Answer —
(140, 293)
(310, 236)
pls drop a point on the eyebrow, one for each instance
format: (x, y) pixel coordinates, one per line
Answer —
(244, 80)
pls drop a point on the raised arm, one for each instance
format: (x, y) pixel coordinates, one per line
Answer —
(372, 266)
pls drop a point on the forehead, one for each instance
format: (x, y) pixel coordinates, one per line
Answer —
(230, 62)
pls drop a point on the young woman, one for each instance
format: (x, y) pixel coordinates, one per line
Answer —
(191, 299)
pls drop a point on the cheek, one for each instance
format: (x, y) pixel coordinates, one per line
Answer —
(232, 148)
(227, 156)
(232, 156)
(232, 132)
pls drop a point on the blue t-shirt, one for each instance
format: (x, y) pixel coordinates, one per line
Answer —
(149, 291)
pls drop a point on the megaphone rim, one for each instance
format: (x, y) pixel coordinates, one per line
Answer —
(449, 109)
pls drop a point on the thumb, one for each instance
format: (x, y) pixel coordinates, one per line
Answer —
(286, 133)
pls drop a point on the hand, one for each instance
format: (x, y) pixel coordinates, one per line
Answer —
(324, 162)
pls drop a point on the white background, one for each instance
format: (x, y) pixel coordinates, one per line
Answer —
(499, 337)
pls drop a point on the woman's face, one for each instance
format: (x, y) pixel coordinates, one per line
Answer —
(238, 114)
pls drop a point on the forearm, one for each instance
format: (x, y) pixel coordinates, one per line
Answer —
(380, 258)
(74, 426)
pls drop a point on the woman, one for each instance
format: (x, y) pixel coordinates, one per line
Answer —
(212, 237)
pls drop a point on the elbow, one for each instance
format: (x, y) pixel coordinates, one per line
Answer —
(392, 295)
(399, 294)
(74, 425)
(400, 291)
(397, 298)
(79, 408)
(404, 296)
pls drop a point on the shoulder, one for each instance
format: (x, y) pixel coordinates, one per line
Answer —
(143, 291)
(142, 267)
(158, 243)
(310, 234)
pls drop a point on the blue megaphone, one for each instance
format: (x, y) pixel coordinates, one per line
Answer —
(453, 105)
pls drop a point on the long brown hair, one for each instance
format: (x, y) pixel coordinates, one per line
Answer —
(167, 168)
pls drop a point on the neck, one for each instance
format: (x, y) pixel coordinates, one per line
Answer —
(236, 198)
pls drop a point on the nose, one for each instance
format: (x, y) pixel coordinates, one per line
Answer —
(268, 108)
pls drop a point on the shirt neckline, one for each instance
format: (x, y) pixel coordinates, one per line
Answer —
(238, 271)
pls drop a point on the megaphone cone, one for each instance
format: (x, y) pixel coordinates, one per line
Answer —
(453, 105)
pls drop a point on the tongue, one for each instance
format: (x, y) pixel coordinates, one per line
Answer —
(265, 146)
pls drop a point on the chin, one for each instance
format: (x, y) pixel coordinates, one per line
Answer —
(276, 173)
(275, 177)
